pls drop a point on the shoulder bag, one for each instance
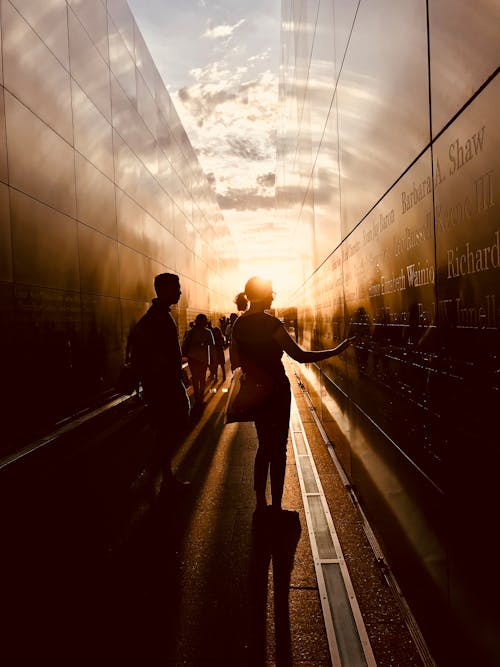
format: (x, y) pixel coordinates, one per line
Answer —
(246, 394)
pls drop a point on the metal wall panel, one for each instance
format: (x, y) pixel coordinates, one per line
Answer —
(185, 259)
(131, 312)
(164, 166)
(410, 408)
(466, 196)
(150, 193)
(49, 20)
(43, 360)
(92, 15)
(153, 237)
(122, 63)
(34, 75)
(135, 274)
(45, 244)
(1, 63)
(3, 140)
(383, 103)
(165, 251)
(389, 288)
(40, 162)
(101, 335)
(465, 392)
(95, 197)
(127, 167)
(344, 13)
(326, 188)
(95, 156)
(121, 16)
(98, 262)
(166, 211)
(144, 62)
(322, 80)
(180, 225)
(93, 133)
(133, 177)
(467, 264)
(465, 51)
(130, 221)
(88, 67)
(6, 271)
(146, 106)
(163, 100)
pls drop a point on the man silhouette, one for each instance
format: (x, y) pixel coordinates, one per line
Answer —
(156, 356)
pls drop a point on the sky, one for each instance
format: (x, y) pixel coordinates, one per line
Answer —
(219, 61)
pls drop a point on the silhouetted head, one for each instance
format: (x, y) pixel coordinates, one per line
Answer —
(200, 321)
(241, 301)
(167, 287)
(259, 289)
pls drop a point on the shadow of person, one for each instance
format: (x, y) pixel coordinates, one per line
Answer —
(274, 541)
(139, 591)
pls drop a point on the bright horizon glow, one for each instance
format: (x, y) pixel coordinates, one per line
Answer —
(277, 273)
(264, 247)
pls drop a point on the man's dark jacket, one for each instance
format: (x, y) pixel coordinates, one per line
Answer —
(156, 354)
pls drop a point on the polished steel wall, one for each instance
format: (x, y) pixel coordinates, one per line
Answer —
(388, 152)
(100, 190)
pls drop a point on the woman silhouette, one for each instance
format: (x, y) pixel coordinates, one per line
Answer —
(257, 344)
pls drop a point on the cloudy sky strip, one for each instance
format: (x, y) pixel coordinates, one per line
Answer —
(219, 61)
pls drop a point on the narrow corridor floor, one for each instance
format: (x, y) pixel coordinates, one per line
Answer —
(201, 580)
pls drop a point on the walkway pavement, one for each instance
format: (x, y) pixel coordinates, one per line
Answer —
(202, 582)
(197, 580)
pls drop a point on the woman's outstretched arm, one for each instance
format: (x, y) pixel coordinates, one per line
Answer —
(282, 337)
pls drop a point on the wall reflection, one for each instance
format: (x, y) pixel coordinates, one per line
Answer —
(102, 192)
(398, 241)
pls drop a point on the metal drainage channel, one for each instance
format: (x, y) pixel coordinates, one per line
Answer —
(385, 570)
(346, 633)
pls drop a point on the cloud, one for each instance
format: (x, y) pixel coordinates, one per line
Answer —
(211, 179)
(267, 180)
(248, 149)
(245, 199)
(264, 55)
(201, 102)
(231, 100)
(231, 121)
(262, 225)
(223, 30)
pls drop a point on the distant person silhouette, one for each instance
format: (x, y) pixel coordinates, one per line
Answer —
(232, 319)
(223, 324)
(156, 356)
(218, 358)
(198, 346)
(258, 341)
(241, 302)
